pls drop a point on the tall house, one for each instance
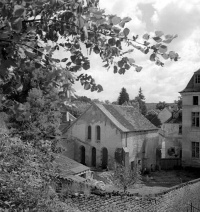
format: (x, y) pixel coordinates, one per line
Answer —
(191, 122)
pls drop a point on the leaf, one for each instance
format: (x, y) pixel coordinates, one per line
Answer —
(30, 54)
(159, 33)
(172, 55)
(18, 10)
(138, 68)
(87, 86)
(126, 31)
(165, 56)
(116, 20)
(100, 88)
(64, 59)
(112, 41)
(115, 69)
(152, 57)
(131, 60)
(146, 36)
(16, 24)
(157, 39)
(162, 48)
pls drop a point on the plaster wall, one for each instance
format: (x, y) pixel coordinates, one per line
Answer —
(142, 147)
(190, 133)
(171, 138)
(110, 136)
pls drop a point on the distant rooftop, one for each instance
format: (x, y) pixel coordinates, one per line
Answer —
(176, 118)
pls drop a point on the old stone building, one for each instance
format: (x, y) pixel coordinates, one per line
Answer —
(171, 136)
(191, 122)
(104, 131)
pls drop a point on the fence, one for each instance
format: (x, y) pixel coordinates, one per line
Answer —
(170, 163)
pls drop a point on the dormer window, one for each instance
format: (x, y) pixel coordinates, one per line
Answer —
(197, 79)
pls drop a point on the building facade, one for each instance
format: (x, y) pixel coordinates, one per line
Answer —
(104, 133)
(171, 136)
(191, 122)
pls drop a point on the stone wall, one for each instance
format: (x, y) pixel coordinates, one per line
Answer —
(177, 198)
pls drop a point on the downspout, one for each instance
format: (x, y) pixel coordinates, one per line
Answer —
(126, 135)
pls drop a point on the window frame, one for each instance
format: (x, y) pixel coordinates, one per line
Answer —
(195, 150)
(197, 79)
(98, 133)
(180, 129)
(89, 134)
(195, 100)
(195, 119)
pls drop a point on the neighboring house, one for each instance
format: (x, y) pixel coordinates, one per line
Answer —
(106, 132)
(171, 136)
(166, 113)
(191, 122)
(72, 176)
(66, 120)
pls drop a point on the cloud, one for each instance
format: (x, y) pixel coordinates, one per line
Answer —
(158, 84)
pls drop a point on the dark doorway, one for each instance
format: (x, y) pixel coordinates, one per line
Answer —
(94, 156)
(104, 158)
(82, 155)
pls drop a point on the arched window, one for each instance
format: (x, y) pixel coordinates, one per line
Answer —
(98, 133)
(89, 133)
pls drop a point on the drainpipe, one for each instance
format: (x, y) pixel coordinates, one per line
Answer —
(126, 135)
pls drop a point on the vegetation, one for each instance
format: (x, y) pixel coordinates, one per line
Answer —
(141, 101)
(161, 105)
(125, 177)
(34, 84)
(123, 96)
(153, 118)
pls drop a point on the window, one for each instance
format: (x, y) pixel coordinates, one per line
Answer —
(180, 129)
(195, 149)
(195, 119)
(197, 79)
(89, 133)
(195, 100)
(98, 133)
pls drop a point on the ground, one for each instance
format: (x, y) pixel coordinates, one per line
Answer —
(154, 182)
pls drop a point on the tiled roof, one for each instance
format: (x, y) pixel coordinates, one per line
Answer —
(190, 86)
(176, 118)
(68, 166)
(126, 118)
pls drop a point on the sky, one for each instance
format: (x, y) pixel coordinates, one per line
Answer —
(181, 17)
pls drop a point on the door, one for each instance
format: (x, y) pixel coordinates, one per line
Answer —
(94, 156)
(82, 155)
(104, 158)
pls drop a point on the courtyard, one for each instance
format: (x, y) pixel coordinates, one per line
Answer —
(154, 182)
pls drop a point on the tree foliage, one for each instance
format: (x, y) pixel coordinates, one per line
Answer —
(123, 96)
(161, 105)
(153, 118)
(34, 83)
(141, 102)
(125, 177)
(179, 102)
(32, 31)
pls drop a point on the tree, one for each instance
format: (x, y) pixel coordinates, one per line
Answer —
(123, 96)
(140, 95)
(161, 105)
(179, 102)
(153, 118)
(141, 101)
(125, 177)
(34, 83)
